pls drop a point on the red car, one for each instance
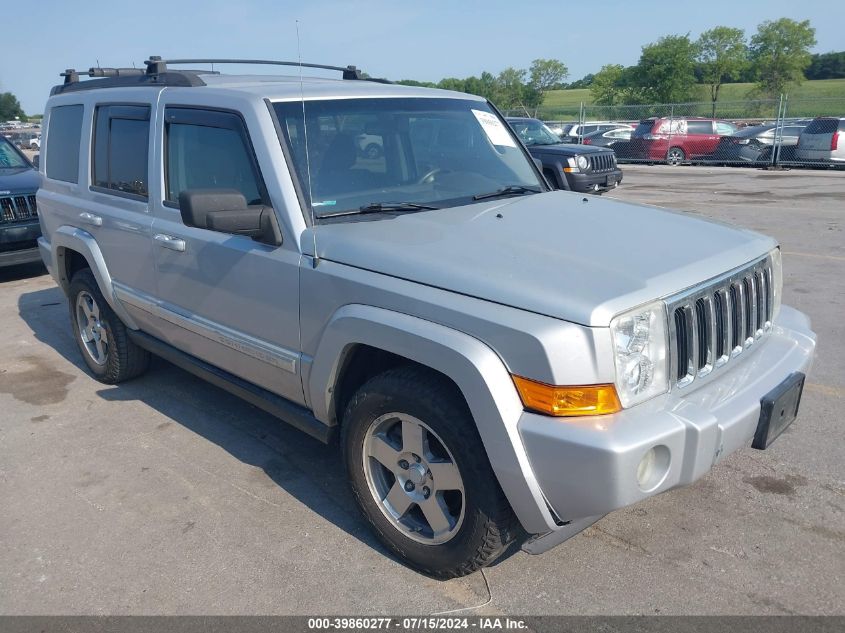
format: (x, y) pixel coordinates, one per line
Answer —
(676, 140)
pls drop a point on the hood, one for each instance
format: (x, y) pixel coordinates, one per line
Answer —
(18, 180)
(558, 254)
(566, 149)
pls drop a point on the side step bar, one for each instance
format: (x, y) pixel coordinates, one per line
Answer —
(287, 411)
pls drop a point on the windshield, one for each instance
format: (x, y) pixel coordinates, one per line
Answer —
(534, 132)
(10, 157)
(414, 151)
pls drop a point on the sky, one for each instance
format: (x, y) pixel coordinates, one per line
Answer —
(398, 39)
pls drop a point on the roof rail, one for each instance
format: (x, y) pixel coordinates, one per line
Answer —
(158, 74)
(157, 65)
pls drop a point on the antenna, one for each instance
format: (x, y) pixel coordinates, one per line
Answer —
(316, 259)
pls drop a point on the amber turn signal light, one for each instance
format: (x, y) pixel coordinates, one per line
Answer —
(569, 400)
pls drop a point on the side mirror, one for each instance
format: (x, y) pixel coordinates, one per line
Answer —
(226, 211)
(36, 160)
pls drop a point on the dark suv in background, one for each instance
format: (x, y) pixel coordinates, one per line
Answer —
(19, 228)
(582, 168)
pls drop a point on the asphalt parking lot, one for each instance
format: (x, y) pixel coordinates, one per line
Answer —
(166, 495)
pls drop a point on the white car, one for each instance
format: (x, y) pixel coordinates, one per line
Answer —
(571, 135)
(35, 143)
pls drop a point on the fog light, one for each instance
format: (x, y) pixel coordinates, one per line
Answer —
(653, 467)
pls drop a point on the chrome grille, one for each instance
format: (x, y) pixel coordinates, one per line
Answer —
(603, 161)
(17, 208)
(714, 323)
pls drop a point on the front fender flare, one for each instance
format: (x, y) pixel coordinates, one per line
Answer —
(75, 239)
(476, 369)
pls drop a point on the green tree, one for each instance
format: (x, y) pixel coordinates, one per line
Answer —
(544, 75)
(606, 88)
(451, 83)
(722, 55)
(10, 108)
(780, 52)
(584, 82)
(826, 66)
(414, 82)
(547, 74)
(511, 89)
(665, 72)
(484, 86)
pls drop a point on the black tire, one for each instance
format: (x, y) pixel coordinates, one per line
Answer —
(123, 359)
(488, 524)
(675, 156)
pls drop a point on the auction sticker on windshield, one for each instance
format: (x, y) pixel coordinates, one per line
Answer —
(493, 128)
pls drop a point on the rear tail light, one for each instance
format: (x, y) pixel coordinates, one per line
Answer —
(587, 141)
(834, 141)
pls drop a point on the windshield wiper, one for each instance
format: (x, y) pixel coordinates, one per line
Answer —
(380, 207)
(510, 190)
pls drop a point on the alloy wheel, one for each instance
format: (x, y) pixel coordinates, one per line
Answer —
(92, 330)
(413, 478)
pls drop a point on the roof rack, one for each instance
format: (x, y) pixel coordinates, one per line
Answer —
(157, 65)
(72, 75)
(158, 74)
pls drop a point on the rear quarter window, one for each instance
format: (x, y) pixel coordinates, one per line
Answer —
(822, 126)
(643, 128)
(62, 149)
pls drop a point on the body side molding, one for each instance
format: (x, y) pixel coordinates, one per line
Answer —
(251, 346)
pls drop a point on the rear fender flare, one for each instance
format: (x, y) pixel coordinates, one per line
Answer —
(71, 238)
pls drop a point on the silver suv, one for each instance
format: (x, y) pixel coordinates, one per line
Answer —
(819, 141)
(499, 361)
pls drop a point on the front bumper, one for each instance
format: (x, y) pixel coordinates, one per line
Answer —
(17, 243)
(587, 467)
(586, 182)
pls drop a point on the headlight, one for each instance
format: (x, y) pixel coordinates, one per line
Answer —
(582, 162)
(777, 281)
(639, 345)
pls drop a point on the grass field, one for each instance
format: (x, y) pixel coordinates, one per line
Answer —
(811, 98)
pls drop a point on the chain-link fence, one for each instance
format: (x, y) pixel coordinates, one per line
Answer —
(763, 132)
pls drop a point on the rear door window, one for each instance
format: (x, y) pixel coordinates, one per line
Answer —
(699, 127)
(822, 126)
(121, 140)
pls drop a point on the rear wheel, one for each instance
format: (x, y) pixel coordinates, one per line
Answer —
(675, 156)
(101, 336)
(420, 474)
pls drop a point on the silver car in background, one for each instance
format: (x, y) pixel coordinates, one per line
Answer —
(823, 140)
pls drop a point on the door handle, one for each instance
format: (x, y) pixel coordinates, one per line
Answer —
(90, 218)
(168, 241)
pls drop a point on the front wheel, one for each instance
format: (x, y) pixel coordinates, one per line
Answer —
(420, 474)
